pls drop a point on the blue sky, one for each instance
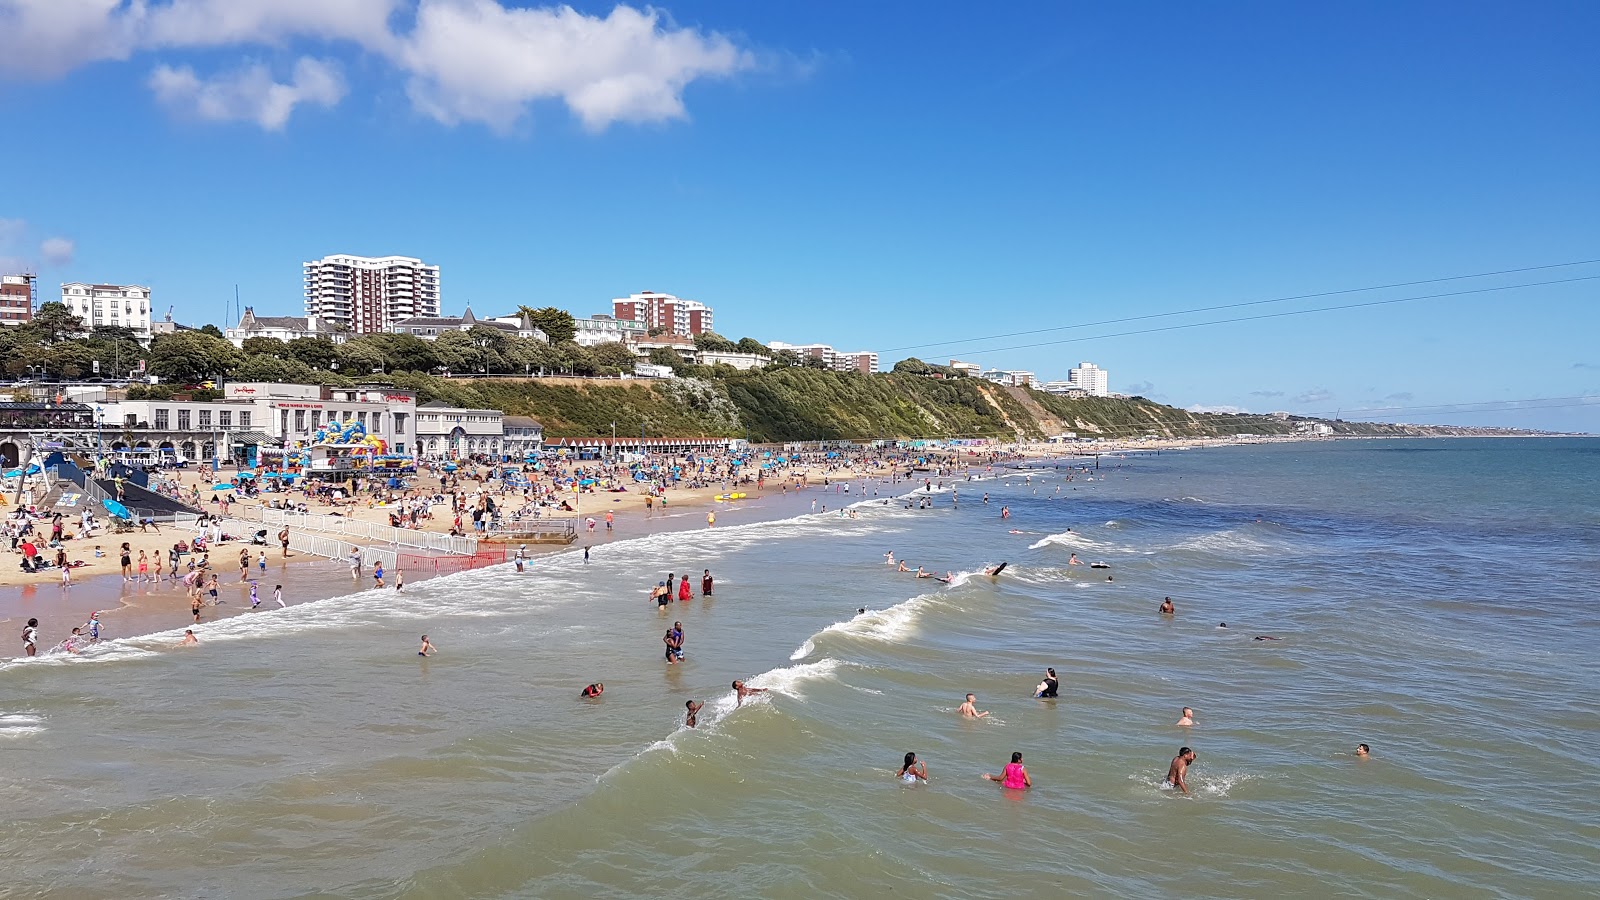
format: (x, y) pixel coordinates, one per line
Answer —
(873, 175)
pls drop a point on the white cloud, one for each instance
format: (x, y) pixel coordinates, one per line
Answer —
(1315, 395)
(476, 61)
(1203, 408)
(249, 94)
(58, 251)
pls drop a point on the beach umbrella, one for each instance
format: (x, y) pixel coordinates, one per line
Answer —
(222, 486)
(272, 475)
(116, 509)
(244, 475)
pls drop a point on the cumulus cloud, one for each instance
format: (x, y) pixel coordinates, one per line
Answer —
(1401, 395)
(1316, 395)
(478, 61)
(1203, 408)
(249, 94)
(58, 251)
(1266, 394)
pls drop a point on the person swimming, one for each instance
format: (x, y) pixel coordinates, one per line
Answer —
(1167, 608)
(1014, 776)
(1188, 717)
(995, 570)
(913, 770)
(692, 714)
(594, 690)
(969, 708)
(1177, 772)
(1048, 688)
(1363, 751)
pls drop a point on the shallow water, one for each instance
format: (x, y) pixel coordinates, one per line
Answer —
(1432, 599)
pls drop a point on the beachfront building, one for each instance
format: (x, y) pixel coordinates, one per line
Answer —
(110, 305)
(430, 327)
(863, 361)
(603, 329)
(682, 345)
(823, 353)
(670, 314)
(970, 370)
(1092, 379)
(366, 295)
(283, 328)
(185, 430)
(523, 437)
(1011, 377)
(1064, 388)
(18, 293)
(740, 361)
(450, 432)
(294, 412)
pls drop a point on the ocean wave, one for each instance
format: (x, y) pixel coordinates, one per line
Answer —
(1073, 539)
(15, 725)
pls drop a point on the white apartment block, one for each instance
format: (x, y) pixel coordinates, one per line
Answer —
(597, 330)
(110, 305)
(740, 361)
(367, 295)
(664, 311)
(1012, 377)
(449, 432)
(823, 352)
(971, 370)
(1091, 379)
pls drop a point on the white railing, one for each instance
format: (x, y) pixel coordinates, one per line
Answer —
(324, 546)
(386, 534)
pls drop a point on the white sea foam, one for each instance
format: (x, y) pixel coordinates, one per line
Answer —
(1074, 539)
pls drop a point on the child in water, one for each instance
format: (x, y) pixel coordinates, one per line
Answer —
(913, 770)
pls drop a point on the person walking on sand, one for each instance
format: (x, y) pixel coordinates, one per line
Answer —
(969, 709)
(1177, 772)
(283, 539)
(1014, 776)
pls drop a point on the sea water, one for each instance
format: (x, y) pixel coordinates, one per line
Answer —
(1434, 599)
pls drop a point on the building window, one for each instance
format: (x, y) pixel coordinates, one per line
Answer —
(244, 419)
(299, 420)
(183, 420)
(161, 419)
(225, 418)
(205, 418)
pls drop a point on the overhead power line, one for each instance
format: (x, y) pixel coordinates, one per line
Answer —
(1240, 305)
(1281, 315)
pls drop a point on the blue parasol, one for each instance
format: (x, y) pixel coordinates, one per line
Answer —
(116, 509)
(222, 486)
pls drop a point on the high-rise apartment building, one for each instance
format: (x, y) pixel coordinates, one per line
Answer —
(110, 305)
(366, 295)
(664, 311)
(1090, 378)
(16, 298)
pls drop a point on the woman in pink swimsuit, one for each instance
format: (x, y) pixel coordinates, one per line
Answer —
(1015, 775)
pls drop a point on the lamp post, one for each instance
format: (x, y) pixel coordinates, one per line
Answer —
(99, 442)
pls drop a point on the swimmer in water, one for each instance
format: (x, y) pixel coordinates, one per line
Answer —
(1188, 717)
(889, 557)
(1177, 772)
(1222, 624)
(992, 571)
(1073, 560)
(593, 690)
(692, 714)
(1015, 775)
(1166, 607)
(903, 567)
(741, 692)
(922, 574)
(1363, 751)
(188, 638)
(1266, 637)
(970, 710)
(1049, 687)
(862, 611)
(427, 648)
(912, 770)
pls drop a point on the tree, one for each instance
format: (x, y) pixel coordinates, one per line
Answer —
(261, 367)
(360, 356)
(557, 324)
(666, 356)
(189, 357)
(457, 352)
(614, 355)
(265, 346)
(751, 345)
(53, 322)
(530, 355)
(911, 366)
(785, 358)
(710, 340)
(813, 362)
(578, 359)
(212, 330)
(318, 353)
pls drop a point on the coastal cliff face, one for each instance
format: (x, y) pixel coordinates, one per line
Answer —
(807, 404)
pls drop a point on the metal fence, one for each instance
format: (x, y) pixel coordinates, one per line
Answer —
(322, 545)
(384, 534)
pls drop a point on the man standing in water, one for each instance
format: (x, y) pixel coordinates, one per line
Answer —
(693, 712)
(1177, 772)
(1166, 607)
(705, 584)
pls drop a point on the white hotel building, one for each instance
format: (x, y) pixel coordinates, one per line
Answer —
(110, 305)
(368, 295)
